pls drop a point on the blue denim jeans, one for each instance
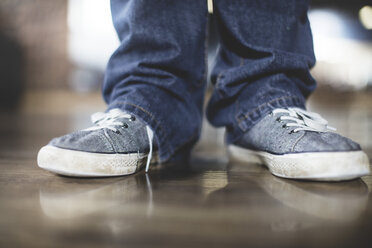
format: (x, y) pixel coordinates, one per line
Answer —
(158, 73)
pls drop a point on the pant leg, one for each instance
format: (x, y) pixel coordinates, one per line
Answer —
(263, 61)
(158, 71)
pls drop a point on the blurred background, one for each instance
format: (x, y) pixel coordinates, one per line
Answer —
(65, 44)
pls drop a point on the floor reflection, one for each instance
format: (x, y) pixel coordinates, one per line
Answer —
(78, 200)
(74, 197)
(246, 192)
(330, 201)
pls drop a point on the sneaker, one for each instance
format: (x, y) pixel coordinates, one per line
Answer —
(117, 144)
(294, 143)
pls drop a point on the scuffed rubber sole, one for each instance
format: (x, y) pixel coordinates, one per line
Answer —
(317, 166)
(87, 164)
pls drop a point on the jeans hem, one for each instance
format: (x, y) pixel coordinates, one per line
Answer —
(166, 151)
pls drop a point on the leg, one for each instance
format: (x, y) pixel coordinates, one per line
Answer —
(263, 67)
(263, 61)
(154, 83)
(158, 72)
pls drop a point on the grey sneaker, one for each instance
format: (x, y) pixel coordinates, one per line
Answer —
(294, 143)
(117, 144)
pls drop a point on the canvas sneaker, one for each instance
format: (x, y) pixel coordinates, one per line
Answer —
(117, 144)
(298, 144)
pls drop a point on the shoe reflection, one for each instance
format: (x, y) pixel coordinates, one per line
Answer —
(342, 201)
(70, 198)
(67, 197)
(241, 192)
(337, 201)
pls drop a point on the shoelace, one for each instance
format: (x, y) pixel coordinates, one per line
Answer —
(303, 120)
(114, 119)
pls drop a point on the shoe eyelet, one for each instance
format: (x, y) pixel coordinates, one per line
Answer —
(284, 126)
(117, 132)
(125, 125)
(132, 118)
(278, 119)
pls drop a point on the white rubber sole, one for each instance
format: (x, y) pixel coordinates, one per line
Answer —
(86, 164)
(318, 166)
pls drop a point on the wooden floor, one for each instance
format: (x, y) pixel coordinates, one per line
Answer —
(210, 203)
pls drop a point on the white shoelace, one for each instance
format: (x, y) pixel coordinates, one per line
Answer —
(111, 121)
(303, 120)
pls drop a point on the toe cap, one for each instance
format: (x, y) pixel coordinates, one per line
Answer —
(87, 141)
(324, 142)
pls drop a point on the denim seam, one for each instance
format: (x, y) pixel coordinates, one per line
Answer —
(218, 80)
(275, 51)
(237, 100)
(246, 116)
(240, 119)
(205, 73)
(237, 107)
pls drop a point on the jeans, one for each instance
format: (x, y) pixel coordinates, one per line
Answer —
(159, 71)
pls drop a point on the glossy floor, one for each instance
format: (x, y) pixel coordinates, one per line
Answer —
(208, 203)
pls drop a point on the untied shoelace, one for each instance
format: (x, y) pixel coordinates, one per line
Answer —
(112, 120)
